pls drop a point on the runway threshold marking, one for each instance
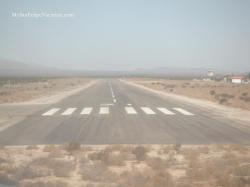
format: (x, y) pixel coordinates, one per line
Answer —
(51, 112)
(148, 110)
(184, 112)
(69, 111)
(130, 110)
(104, 110)
(87, 110)
(107, 104)
(165, 111)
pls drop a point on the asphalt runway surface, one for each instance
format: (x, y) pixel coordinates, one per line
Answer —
(112, 112)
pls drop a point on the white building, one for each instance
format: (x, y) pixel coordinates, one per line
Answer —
(238, 79)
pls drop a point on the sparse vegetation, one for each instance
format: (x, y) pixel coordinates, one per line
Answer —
(25, 89)
(140, 153)
(72, 147)
(217, 91)
(126, 165)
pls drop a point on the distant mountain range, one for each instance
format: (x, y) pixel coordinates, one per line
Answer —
(10, 68)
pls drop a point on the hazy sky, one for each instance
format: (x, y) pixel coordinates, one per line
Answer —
(128, 34)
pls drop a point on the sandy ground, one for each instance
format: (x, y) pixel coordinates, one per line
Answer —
(39, 91)
(211, 106)
(227, 94)
(126, 165)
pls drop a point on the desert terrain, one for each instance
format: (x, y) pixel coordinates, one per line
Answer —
(16, 90)
(234, 95)
(126, 165)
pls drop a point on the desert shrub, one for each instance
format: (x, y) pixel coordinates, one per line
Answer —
(56, 153)
(62, 168)
(239, 148)
(222, 100)
(134, 179)
(49, 148)
(140, 153)
(72, 147)
(108, 158)
(245, 98)
(169, 86)
(146, 179)
(8, 167)
(166, 149)
(177, 147)
(244, 94)
(120, 148)
(7, 179)
(97, 172)
(225, 95)
(156, 163)
(101, 156)
(161, 179)
(44, 166)
(4, 93)
(229, 181)
(32, 147)
(243, 170)
(203, 150)
(212, 92)
(31, 172)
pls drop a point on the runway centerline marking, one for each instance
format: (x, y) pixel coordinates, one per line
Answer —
(104, 110)
(69, 111)
(130, 110)
(165, 111)
(87, 110)
(51, 112)
(148, 110)
(184, 112)
(112, 93)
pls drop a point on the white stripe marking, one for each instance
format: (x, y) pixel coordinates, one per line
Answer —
(182, 111)
(51, 112)
(104, 110)
(129, 104)
(69, 111)
(165, 111)
(87, 111)
(107, 104)
(147, 110)
(130, 110)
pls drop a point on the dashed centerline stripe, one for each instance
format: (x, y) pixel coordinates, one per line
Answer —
(130, 110)
(165, 111)
(104, 110)
(184, 112)
(69, 111)
(87, 111)
(147, 110)
(51, 112)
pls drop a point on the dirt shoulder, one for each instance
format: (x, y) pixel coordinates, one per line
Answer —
(40, 91)
(159, 87)
(125, 165)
